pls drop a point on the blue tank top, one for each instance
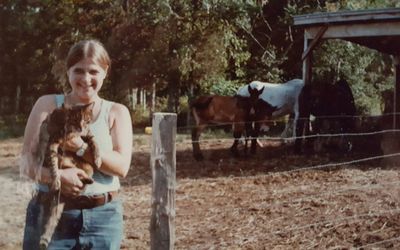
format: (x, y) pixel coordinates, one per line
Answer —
(101, 131)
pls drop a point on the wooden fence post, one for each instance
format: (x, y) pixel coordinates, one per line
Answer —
(163, 161)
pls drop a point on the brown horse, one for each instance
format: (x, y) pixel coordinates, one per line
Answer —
(217, 109)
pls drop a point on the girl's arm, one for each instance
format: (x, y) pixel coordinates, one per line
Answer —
(118, 161)
(29, 165)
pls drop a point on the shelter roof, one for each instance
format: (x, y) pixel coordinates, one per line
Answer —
(376, 28)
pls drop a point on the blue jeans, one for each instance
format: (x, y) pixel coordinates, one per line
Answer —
(97, 228)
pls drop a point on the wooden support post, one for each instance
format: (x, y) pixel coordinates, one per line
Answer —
(163, 167)
(396, 100)
(303, 125)
(307, 63)
(315, 41)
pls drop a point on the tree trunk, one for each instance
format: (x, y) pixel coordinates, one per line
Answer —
(17, 99)
(190, 98)
(173, 90)
(153, 97)
(133, 97)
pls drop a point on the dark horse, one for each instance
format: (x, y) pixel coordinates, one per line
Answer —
(221, 110)
(334, 109)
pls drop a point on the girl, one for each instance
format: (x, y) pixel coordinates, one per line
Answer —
(93, 215)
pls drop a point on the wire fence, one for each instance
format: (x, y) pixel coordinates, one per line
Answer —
(284, 196)
(355, 118)
(293, 195)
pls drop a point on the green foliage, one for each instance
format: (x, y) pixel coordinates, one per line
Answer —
(12, 126)
(36, 37)
(162, 104)
(367, 71)
(224, 87)
(140, 117)
(187, 48)
(183, 104)
(184, 44)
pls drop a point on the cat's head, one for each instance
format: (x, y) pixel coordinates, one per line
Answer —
(73, 120)
(78, 118)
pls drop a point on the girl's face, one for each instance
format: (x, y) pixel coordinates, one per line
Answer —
(86, 78)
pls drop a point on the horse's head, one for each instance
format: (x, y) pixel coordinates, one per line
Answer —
(254, 93)
(259, 109)
(254, 99)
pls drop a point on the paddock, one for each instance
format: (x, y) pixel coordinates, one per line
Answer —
(274, 200)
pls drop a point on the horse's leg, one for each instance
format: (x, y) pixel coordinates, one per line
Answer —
(237, 134)
(248, 134)
(301, 128)
(295, 128)
(296, 118)
(254, 135)
(346, 143)
(303, 111)
(349, 127)
(323, 127)
(285, 132)
(196, 131)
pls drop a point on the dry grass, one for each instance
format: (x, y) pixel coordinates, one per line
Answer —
(271, 201)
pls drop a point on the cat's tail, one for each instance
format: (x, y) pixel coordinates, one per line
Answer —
(55, 211)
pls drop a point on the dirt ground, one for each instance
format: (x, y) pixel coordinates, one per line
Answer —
(275, 200)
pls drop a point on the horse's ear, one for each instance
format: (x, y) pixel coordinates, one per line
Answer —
(249, 88)
(261, 90)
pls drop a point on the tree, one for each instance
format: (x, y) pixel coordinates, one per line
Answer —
(174, 48)
(184, 46)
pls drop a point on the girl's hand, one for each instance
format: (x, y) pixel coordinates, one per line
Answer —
(71, 184)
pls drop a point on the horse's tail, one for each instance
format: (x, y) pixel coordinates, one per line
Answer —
(201, 103)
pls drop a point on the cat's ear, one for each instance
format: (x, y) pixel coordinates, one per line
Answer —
(58, 116)
(87, 111)
(89, 107)
(62, 109)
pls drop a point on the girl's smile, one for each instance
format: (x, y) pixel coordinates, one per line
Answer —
(86, 78)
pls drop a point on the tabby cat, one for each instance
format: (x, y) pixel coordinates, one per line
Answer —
(61, 125)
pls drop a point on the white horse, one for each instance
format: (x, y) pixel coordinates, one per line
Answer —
(283, 96)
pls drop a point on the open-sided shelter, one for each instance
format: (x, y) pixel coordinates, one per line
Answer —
(377, 29)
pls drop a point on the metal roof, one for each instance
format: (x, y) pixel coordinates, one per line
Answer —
(340, 17)
(375, 28)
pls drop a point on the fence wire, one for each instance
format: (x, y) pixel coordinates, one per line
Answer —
(309, 197)
(359, 118)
